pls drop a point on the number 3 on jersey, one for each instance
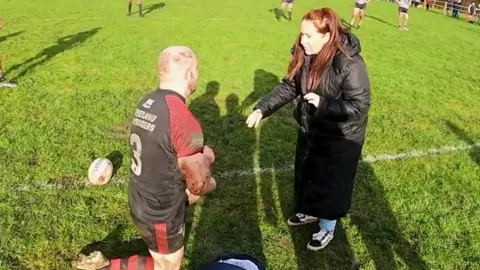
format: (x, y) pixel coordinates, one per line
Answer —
(137, 153)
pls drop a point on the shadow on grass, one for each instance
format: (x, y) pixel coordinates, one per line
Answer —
(346, 24)
(116, 157)
(3, 38)
(378, 227)
(228, 222)
(11, 262)
(151, 8)
(114, 245)
(471, 29)
(380, 20)
(464, 136)
(63, 44)
(278, 13)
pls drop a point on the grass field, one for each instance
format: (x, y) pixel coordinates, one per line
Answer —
(83, 65)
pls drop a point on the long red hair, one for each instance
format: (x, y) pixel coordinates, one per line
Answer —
(326, 21)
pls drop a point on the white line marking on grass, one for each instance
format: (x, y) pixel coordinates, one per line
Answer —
(254, 171)
(424, 153)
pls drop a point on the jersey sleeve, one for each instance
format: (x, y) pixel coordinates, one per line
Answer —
(185, 130)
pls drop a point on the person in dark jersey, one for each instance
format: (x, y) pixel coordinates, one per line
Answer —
(165, 137)
(163, 131)
(3, 81)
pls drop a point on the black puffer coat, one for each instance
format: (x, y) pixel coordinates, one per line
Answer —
(344, 92)
(331, 137)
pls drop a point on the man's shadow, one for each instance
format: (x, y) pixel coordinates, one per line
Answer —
(228, 222)
(63, 44)
(113, 245)
(151, 8)
(207, 110)
(3, 38)
(379, 229)
(464, 136)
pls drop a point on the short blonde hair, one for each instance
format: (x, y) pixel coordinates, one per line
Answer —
(176, 59)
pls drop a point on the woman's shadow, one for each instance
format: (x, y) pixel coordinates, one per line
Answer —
(464, 136)
(379, 229)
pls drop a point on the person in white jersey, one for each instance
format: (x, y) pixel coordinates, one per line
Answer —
(403, 6)
(359, 12)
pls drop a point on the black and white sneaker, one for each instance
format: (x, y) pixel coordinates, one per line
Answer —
(301, 219)
(320, 240)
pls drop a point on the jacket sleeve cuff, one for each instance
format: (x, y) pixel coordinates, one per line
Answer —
(262, 109)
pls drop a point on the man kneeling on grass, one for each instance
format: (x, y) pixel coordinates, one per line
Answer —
(171, 168)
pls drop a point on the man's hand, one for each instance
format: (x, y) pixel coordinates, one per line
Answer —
(208, 152)
(197, 172)
(192, 198)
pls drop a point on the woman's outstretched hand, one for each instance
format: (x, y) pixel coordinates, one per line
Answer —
(254, 118)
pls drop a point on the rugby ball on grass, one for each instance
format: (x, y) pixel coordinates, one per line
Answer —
(100, 171)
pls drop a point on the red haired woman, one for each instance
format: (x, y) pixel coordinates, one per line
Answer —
(330, 77)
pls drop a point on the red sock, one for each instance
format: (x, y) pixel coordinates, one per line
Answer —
(134, 262)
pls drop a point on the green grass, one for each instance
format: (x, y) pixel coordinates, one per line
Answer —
(83, 65)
